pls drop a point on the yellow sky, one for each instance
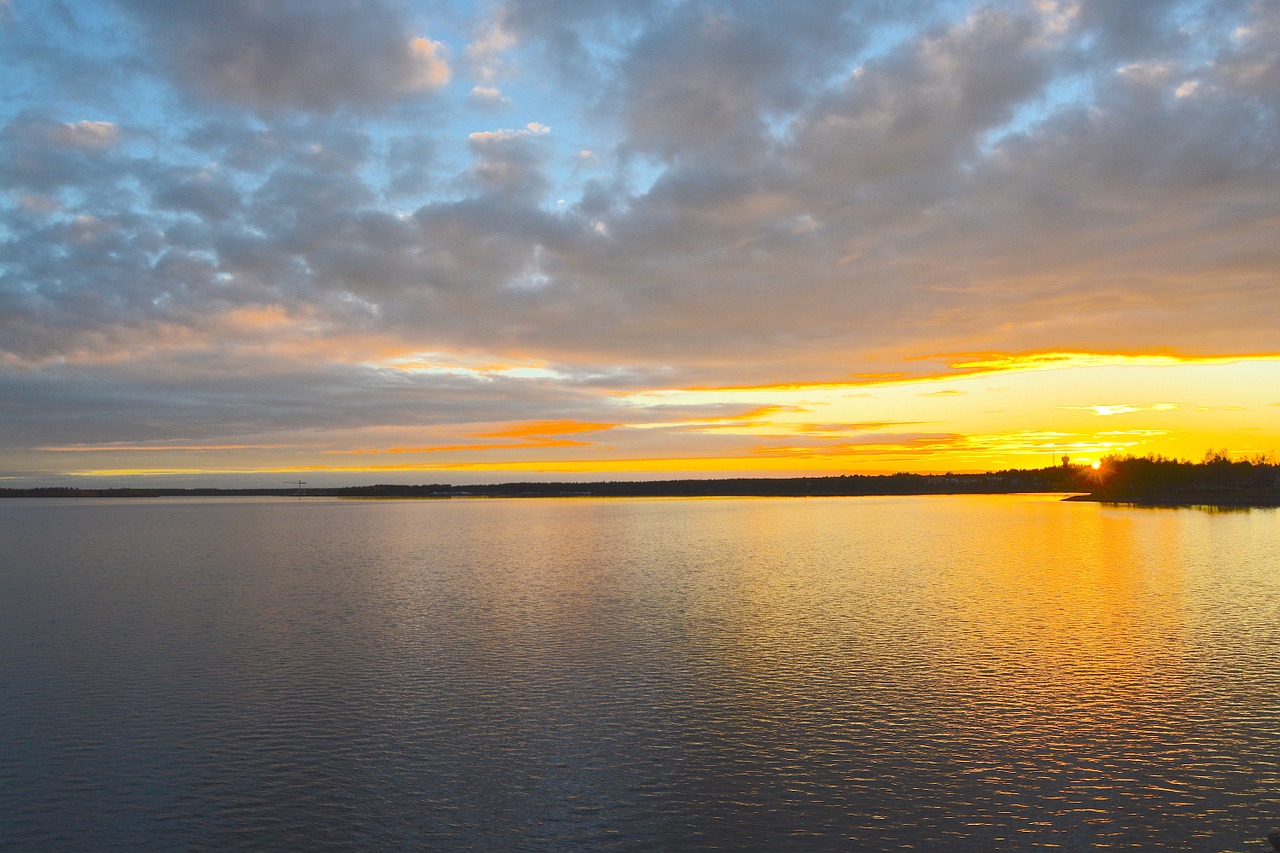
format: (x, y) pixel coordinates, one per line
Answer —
(978, 414)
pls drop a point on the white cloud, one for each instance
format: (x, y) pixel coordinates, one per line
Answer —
(86, 134)
(484, 54)
(1125, 408)
(488, 97)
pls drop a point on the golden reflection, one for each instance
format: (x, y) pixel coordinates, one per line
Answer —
(1010, 613)
(1083, 622)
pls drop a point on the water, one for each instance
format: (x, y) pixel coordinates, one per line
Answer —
(919, 673)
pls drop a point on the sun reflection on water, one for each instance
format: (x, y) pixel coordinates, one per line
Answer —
(976, 673)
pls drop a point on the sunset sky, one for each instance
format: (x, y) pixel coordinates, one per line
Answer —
(441, 241)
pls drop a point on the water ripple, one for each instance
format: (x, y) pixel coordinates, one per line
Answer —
(870, 674)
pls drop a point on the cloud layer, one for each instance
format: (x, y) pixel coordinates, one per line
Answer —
(236, 216)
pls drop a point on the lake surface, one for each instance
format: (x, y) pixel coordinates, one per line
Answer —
(909, 673)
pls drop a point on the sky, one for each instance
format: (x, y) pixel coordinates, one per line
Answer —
(441, 241)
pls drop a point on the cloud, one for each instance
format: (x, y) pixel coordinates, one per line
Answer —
(488, 97)
(509, 162)
(811, 216)
(1124, 408)
(201, 192)
(1123, 30)
(43, 154)
(575, 40)
(922, 109)
(219, 392)
(706, 78)
(484, 54)
(294, 54)
(241, 143)
(411, 164)
(84, 134)
(543, 429)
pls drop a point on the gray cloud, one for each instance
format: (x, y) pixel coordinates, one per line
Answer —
(1128, 28)
(575, 39)
(220, 393)
(509, 162)
(709, 78)
(925, 107)
(411, 159)
(45, 155)
(294, 54)
(200, 192)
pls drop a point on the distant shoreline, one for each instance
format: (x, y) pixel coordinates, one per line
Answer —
(1049, 480)
(1139, 481)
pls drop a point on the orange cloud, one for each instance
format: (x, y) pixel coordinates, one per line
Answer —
(538, 429)
(261, 318)
(757, 416)
(448, 448)
(860, 426)
(960, 366)
(152, 448)
(530, 434)
(1000, 362)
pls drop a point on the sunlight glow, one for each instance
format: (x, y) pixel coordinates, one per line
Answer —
(995, 418)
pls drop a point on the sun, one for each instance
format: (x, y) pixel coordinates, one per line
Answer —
(1096, 464)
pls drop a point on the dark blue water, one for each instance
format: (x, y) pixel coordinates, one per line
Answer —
(957, 673)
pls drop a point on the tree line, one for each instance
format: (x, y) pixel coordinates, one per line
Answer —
(1141, 479)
